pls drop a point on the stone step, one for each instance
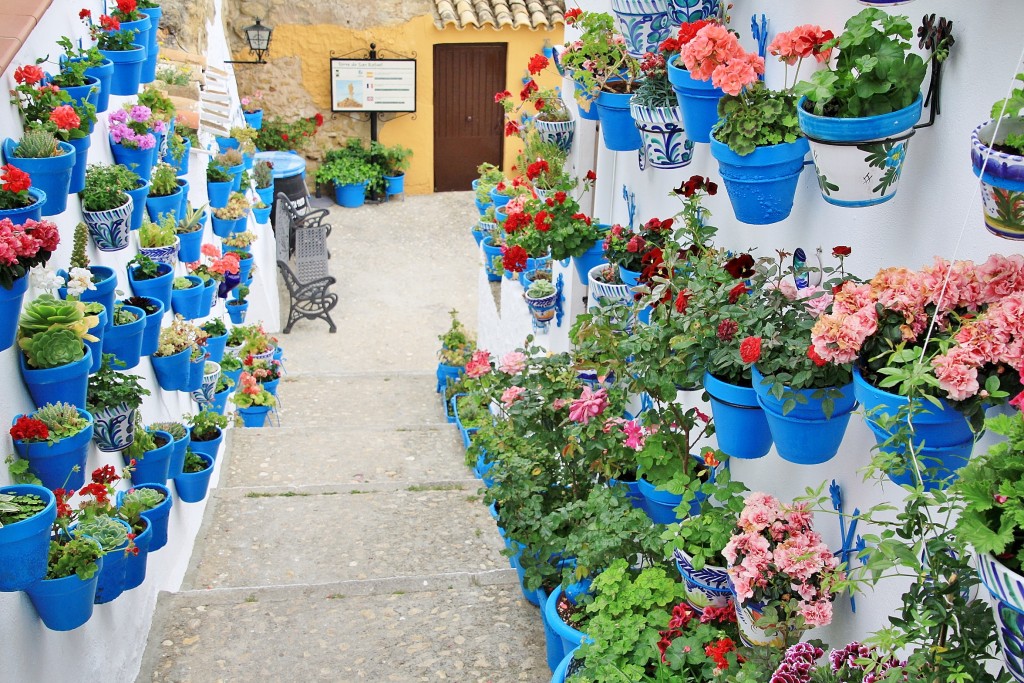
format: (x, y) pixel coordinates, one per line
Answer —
(292, 456)
(466, 633)
(366, 400)
(278, 536)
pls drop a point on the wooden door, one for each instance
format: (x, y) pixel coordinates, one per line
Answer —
(468, 125)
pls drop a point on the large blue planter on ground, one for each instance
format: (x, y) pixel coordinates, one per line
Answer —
(394, 184)
(210, 447)
(65, 604)
(33, 211)
(762, 184)
(104, 73)
(152, 46)
(54, 463)
(125, 341)
(10, 310)
(138, 195)
(135, 565)
(24, 545)
(571, 637)
(139, 160)
(698, 100)
(52, 175)
(254, 416)
(172, 371)
(618, 131)
(81, 146)
(804, 436)
(740, 424)
(192, 486)
(350, 196)
(127, 69)
(158, 288)
(158, 516)
(152, 466)
(68, 383)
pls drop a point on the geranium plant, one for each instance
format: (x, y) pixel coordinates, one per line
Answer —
(252, 103)
(45, 105)
(108, 33)
(23, 246)
(251, 393)
(599, 60)
(133, 126)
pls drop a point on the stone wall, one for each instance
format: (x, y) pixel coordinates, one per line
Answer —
(184, 24)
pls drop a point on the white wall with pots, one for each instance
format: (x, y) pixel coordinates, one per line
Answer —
(936, 212)
(110, 646)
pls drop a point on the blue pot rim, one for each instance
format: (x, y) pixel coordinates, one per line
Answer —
(871, 397)
(136, 54)
(863, 128)
(841, 406)
(733, 394)
(61, 162)
(68, 443)
(42, 520)
(768, 155)
(555, 622)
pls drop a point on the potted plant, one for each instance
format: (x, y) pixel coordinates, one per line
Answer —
(96, 518)
(395, 160)
(19, 201)
(278, 134)
(216, 338)
(457, 347)
(186, 293)
(350, 176)
(219, 274)
(124, 335)
(120, 47)
(207, 429)
(54, 441)
(263, 174)
(133, 138)
(252, 109)
(194, 480)
(64, 598)
(26, 514)
(225, 385)
(872, 97)
(162, 111)
(854, 662)
(47, 160)
(154, 311)
(231, 218)
(180, 434)
(159, 240)
(233, 161)
(657, 114)
(54, 359)
(218, 183)
(490, 176)
(551, 119)
(164, 193)
(87, 282)
(246, 139)
(171, 360)
(31, 244)
(107, 206)
(541, 298)
(999, 163)
(238, 306)
(190, 233)
(132, 508)
(179, 148)
(113, 399)
(149, 455)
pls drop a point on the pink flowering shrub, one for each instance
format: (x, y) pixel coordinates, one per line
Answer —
(775, 553)
(131, 125)
(715, 54)
(479, 365)
(24, 246)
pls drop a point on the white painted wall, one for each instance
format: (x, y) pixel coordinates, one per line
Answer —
(110, 646)
(936, 212)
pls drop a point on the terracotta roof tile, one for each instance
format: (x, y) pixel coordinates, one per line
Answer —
(533, 14)
(18, 18)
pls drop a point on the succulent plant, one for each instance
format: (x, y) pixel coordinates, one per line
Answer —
(37, 143)
(263, 172)
(62, 419)
(79, 259)
(192, 219)
(175, 429)
(106, 531)
(51, 331)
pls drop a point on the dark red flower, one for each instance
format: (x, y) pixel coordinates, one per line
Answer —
(560, 197)
(636, 242)
(26, 428)
(542, 221)
(736, 292)
(750, 350)
(813, 355)
(727, 329)
(516, 220)
(511, 128)
(105, 475)
(841, 251)
(84, 14)
(741, 266)
(711, 188)
(591, 176)
(529, 88)
(537, 64)
(539, 104)
(682, 301)
(514, 258)
(534, 170)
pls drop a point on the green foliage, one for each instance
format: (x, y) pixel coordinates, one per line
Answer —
(79, 259)
(194, 463)
(135, 502)
(192, 220)
(601, 62)
(74, 64)
(163, 181)
(17, 507)
(540, 288)
(263, 172)
(215, 327)
(757, 117)
(158, 102)
(77, 556)
(144, 442)
(206, 425)
(106, 186)
(180, 283)
(216, 172)
(109, 388)
(394, 159)
(283, 135)
(37, 143)
(159, 234)
(1012, 107)
(457, 344)
(704, 536)
(876, 71)
(144, 268)
(352, 164)
(51, 331)
(490, 176)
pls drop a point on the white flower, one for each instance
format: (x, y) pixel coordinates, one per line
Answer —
(43, 278)
(79, 282)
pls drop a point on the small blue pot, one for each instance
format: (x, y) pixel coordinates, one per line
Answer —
(618, 130)
(762, 184)
(125, 341)
(225, 143)
(151, 334)
(661, 505)
(226, 227)
(253, 119)
(90, 92)
(587, 114)
(254, 416)
(111, 575)
(138, 195)
(236, 312)
(698, 100)
(24, 545)
(499, 200)
(630, 278)
(55, 464)
(33, 211)
(65, 604)
(81, 146)
(96, 347)
(139, 160)
(571, 637)
(51, 175)
(266, 195)
(186, 302)
(590, 259)
(152, 46)
(262, 216)
(68, 383)
(135, 564)
(104, 73)
(218, 193)
(181, 165)
(210, 448)
(127, 69)
(177, 460)
(158, 288)
(490, 252)
(632, 490)
(153, 466)
(192, 487)
(190, 245)
(220, 401)
(215, 347)
(236, 171)
(168, 204)
(350, 196)
(10, 309)
(446, 372)
(394, 184)
(740, 424)
(172, 371)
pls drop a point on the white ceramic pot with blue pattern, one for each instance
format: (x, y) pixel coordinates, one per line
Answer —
(558, 133)
(665, 144)
(1007, 589)
(706, 587)
(643, 23)
(114, 428)
(204, 395)
(684, 11)
(110, 230)
(168, 255)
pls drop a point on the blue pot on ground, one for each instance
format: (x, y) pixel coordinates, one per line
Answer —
(186, 302)
(190, 245)
(112, 574)
(218, 193)
(254, 416)
(51, 175)
(253, 119)
(804, 436)
(531, 596)
(152, 46)
(127, 69)
(698, 100)
(237, 311)
(565, 668)
(125, 341)
(138, 195)
(104, 73)
(350, 196)
(192, 486)
(157, 207)
(172, 371)
(139, 160)
(81, 146)
(54, 464)
(33, 211)
(152, 466)
(96, 347)
(135, 564)
(491, 252)
(618, 131)
(65, 604)
(215, 347)
(151, 333)
(68, 383)
(590, 259)
(571, 637)
(394, 184)
(24, 545)
(158, 288)
(159, 516)
(762, 184)
(209, 447)
(740, 424)
(10, 309)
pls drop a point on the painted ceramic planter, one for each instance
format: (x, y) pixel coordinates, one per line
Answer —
(643, 23)
(110, 229)
(663, 137)
(707, 587)
(204, 395)
(859, 161)
(1002, 182)
(559, 133)
(746, 614)
(168, 255)
(762, 184)
(542, 309)
(1007, 589)
(115, 428)
(682, 11)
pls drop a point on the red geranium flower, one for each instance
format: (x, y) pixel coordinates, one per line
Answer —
(529, 87)
(14, 179)
(109, 23)
(688, 30)
(511, 128)
(126, 6)
(534, 170)
(318, 118)
(841, 251)
(682, 301)
(750, 350)
(572, 15)
(717, 651)
(27, 428)
(30, 74)
(65, 117)
(736, 292)
(514, 258)
(542, 221)
(813, 355)
(537, 64)
(499, 96)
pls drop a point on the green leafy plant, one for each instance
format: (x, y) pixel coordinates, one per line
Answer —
(206, 425)
(160, 234)
(263, 173)
(598, 60)
(146, 440)
(240, 294)
(457, 343)
(216, 172)
(191, 220)
(135, 502)
(246, 138)
(106, 186)
(757, 117)
(194, 463)
(704, 536)
(144, 268)
(540, 288)
(75, 557)
(180, 283)
(346, 171)
(164, 180)
(122, 316)
(1009, 108)
(281, 134)
(76, 61)
(109, 388)
(172, 74)
(215, 327)
(19, 507)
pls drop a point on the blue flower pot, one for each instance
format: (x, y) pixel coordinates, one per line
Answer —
(105, 290)
(236, 171)
(215, 347)
(65, 604)
(125, 341)
(350, 196)
(632, 491)
(218, 193)
(127, 69)
(236, 312)
(481, 206)
(177, 460)
(158, 288)
(184, 185)
(186, 302)
(262, 216)
(233, 375)
(499, 200)
(255, 416)
(81, 146)
(590, 259)
(151, 334)
(588, 113)
(192, 487)
(804, 436)
(266, 195)
(96, 347)
(271, 386)
(135, 565)
(698, 100)
(68, 383)
(942, 437)
(490, 252)
(196, 369)
(24, 545)
(190, 245)
(253, 119)
(630, 278)
(618, 131)
(762, 184)
(138, 195)
(245, 261)
(226, 227)
(562, 673)
(159, 516)
(90, 92)
(208, 298)
(661, 505)
(157, 207)
(152, 466)
(394, 184)
(10, 309)
(143, 28)
(225, 143)
(33, 211)
(172, 371)
(740, 424)
(210, 447)
(152, 46)
(571, 637)
(104, 73)
(54, 463)
(220, 401)
(51, 175)
(446, 372)
(111, 576)
(139, 160)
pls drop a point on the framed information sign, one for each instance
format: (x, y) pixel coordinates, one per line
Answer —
(373, 85)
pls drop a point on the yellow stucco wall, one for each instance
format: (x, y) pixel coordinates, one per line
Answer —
(313, 44)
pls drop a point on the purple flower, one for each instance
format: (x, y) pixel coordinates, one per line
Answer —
(160, 126)
(118, 116)
(146, 141)
(797, 664)
(140, 113)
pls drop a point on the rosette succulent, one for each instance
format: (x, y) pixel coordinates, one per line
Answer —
(51, 331)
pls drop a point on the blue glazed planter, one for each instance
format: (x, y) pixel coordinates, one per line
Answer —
(262, 216)
(127, 69)
(186, 302)
(172, 371)
(168, 204)
(110, 230)
(218, 193)
(96, 347)
(81, 146)
(112, 574)
(138, 195)
(115, 428)
(151, 333)
(394, 184)
(698, 100)
(104, 73)
(143, 29)
(106, 288)
(762, 184)
(125, 341)
(499, 200)
(236, 171)
(135, 565)
(740, 424)
(707, 587)
(481, 207)
(215, 347)
(226, 227)
(446, 372)
(210, 447)
(632, 492)
(565, 668)
(225, 143)
(139, 160)
(220, 401)
(195, 374)
(33, 211)
(90, 92)
(266, 195)
(177, 459)
(253, 119)
(152, 466)
(209, 297)
(585, 113)
(65, 604)
(158, 288)
(54, 463)
(661, 505)
(191, 487)
(255, 416)
(803, 436)
(350, 196)
(181, 165)
(152, 46)
(237, 311)
(10, 308)
(68, 383)
(630, 278)
(571, 637)
(490, 252)
(25, 545)
(51, 175)
(590, 259)
(233, 375)
(190, 245)
(244, 265)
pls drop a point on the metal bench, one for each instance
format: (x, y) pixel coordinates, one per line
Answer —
(308, 279)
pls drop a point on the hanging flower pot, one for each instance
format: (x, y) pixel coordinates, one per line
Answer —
(62, 384)
(158, 516)
(746, 614)
(226, 227)
(218, 193)
(585, 108)
(127, 69)
(762, 184)
(196, 370)
(143, 159)
(698, 100)
(156, 207)
(66, 603)
(171, 371)
(684, 11)
(740, 424)
(110, 229)
(154, 313)
(618, 131)
(125, 341)
(859, 160)
(204, 395)
(186, 301)
(664, 140)
(50, 175)
(24, 544)
(152, 46)
(643, 23)
(103, 73)
(209, 447)
(167, 254)
(104, 280)
(54, 463)
(190, 243)
(81, 146)
(158, 288)
(192, 486)
(138, 195)
(491, 252)
(33, 211)
(707, 587)
(135, 564)
(558, 133)
(542, 309)
(1002, 183)
(10, 308)
(804, 435)
(254, 416)
(115, 428)
(96, 347)
(253, 119)
(1007, 590)
(237, 311)
(152, 466)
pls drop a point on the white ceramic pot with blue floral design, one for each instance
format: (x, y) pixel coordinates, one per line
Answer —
(168, 254)
(110, 229)
(705, 587)
(114, 428)
(1007, 590)
(557, 132)
(664, 142)
(643, 23)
